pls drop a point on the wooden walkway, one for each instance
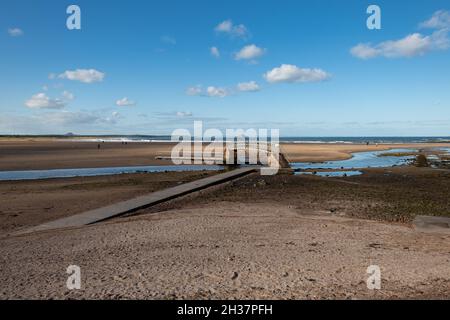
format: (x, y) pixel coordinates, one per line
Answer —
(135, 204)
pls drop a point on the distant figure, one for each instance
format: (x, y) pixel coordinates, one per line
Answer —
(98, 146)
(367, 142)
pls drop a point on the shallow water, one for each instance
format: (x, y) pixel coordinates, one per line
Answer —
(331, 173)
(360, 160)
(88, 172)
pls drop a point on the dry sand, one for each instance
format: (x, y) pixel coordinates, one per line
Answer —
(228, 251)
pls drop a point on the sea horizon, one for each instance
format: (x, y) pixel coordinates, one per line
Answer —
(285, 139)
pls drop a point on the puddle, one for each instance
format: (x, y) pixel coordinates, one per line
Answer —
(361, 160)
(89, 172)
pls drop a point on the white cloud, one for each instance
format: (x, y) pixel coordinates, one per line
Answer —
(125, 102)
(248, 86)
(183, 114)
(194, 91)
(249, 52)
(412, 45)
(229, 28)
(68, 95)
(415, 44)
(439, 20)
(364, 51)
(291, 73)
(112, 119)
(225, 26)
(15, 32)
(42, 101)
(217, 92)
(215, 52)
(222, 92)
(83, 75)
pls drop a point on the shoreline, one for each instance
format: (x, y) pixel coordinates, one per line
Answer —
(21, 155)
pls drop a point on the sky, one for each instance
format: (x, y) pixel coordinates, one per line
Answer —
(307, 68)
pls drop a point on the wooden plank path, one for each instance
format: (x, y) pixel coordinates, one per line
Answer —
(141, 202)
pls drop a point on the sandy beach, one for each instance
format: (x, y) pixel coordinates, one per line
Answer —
(40, 154)
(275, 237)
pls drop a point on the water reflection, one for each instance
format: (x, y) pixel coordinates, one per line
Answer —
(86, 172)
(361, 160)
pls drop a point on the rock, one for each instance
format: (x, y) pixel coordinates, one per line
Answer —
(262, 183)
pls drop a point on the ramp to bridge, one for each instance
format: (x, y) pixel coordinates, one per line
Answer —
(141, 202)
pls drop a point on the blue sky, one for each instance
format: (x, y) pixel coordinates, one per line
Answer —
(308, 68)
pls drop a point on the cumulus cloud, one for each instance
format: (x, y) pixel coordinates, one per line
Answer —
(222, 92)
(42, 101)
(194, 91)
(439, 20)
(249, 52)
(212, 91)
(125, 102)
(215, 52)
(291, 73)
(415, 44)
(82, 75)
(15, 32)
(68, 95)
(412, 45)
(248, 86)
(227, 27)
